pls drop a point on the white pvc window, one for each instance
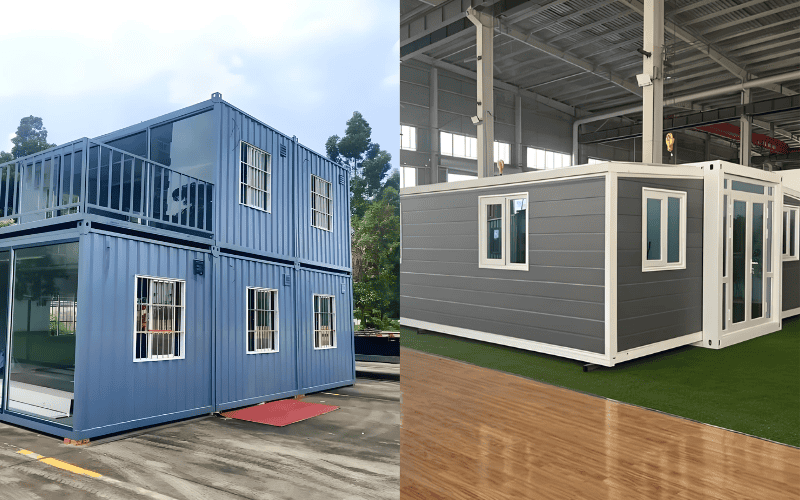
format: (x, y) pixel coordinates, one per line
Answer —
(458, 145)
(408, 137)
(255, 177)
(159, 317)
(542, 159)
(324, 322)
(408, 177)
(791, 233)
(321, 204)
(503, 231)
(663, 229)
(502, 151)
(262, 320)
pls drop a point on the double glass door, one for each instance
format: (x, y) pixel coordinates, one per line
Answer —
(748, 274)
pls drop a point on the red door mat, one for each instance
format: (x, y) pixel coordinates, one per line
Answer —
(280, 413)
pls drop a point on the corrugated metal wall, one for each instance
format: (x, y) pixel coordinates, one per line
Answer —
(322, 368)
(243, 378)
(318, 246)
(112, 392)
(656, 306)
(559, 300)
(240, 225)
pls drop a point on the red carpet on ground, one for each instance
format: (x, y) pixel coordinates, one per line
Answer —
(280, 413)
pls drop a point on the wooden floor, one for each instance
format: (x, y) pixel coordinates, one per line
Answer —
(469, 432)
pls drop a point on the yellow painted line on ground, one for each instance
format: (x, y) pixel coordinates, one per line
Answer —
(61, 465)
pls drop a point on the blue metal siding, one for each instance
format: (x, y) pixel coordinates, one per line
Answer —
(111, 388)
(320, 368)
(318, 246)
(242, 226)
(243, 378)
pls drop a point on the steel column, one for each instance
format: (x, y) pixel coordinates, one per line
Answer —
(485, 81)
(653, 95)
(434, 110)
(745, 132)
(520, 159)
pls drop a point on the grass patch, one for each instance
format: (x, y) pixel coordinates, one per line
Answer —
(752, 387)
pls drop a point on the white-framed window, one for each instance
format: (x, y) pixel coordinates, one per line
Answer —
(458, 145)
(255, 177)
(159, 318)
(324, 322)
(408, 137)
(663, 229)
(262, 320)
(595, 161)
(454, 177)
(542, 159)
(791, 233)
(502, 151)
(321, 203)
(408, 177)
(503, 231)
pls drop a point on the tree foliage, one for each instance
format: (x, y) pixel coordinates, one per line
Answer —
(31, 138)
(375, 220)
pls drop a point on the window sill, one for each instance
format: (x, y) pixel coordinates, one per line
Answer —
(265, 210)
(663, 268)
(508, 267)
(145, 360)
(325, 348)
(264, 351)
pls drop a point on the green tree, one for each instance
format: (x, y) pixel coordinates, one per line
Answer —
(31, 138)
(376, 262)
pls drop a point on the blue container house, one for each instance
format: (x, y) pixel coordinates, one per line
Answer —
(193, 263)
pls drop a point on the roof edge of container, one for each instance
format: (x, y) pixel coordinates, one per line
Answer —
(171, 116)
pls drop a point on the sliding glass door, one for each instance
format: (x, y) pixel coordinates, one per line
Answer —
(5, 283)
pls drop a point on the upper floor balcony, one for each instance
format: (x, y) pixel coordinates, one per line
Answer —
(91, 177)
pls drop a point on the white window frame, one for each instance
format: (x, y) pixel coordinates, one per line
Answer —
(408, 137)
(137, 311)
(324, 198)
(502, 200)
(266, 171)
(332, 321)
(275, 321)
(470, 145)
(408, 176)
(787, 256)
(663, 195)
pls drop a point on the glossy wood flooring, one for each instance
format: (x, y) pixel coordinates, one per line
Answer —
(469, 432)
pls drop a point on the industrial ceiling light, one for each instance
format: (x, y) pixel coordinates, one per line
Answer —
(475, 120)
(644, 80)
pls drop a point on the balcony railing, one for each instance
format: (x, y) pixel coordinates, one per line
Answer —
(88, 176)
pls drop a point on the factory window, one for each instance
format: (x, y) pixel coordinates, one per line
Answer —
(458, 145)
(321, 204)
(408, 137)
(663, 229)
(255, 178)
(160, 313)
(408, 177)
(791, 219)
(504, 231)
(595, 161)
(262, 320)
(502, 151)
(453, 177)
(542, 159)
(324, 322)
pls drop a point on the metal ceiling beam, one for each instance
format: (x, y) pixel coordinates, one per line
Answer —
(707, 48)
(560, 54)
(750, 18)
(552, 103)
(722, 12)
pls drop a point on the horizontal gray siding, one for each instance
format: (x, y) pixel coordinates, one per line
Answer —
(657, 305)
(558, 301)
(791, 271)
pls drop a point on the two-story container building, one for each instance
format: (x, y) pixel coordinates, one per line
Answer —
(192, 263)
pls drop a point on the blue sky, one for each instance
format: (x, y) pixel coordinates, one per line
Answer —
(302, 67)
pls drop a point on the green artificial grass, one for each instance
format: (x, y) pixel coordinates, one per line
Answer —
(752, 387)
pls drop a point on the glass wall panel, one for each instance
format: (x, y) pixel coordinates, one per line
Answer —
(134, 144)
(494, 221)
(42, 361)
(186, 146)
(5, 268)
(725, 237)
(758, 261)
(673, 229)
(739, 259)
(653, 229)
(747, 187)
(519, 218)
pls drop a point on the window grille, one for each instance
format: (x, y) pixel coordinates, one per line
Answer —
(321, 204)
(262, 320)
(324, 322)
(256, 178)
(160, 314)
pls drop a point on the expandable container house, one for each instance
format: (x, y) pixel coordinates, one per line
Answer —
(602, 263)
(193, 263)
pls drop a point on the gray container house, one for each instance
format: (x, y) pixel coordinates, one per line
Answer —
(193, 263)
(601, 263)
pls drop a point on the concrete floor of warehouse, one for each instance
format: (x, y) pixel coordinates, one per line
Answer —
(353, 452)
